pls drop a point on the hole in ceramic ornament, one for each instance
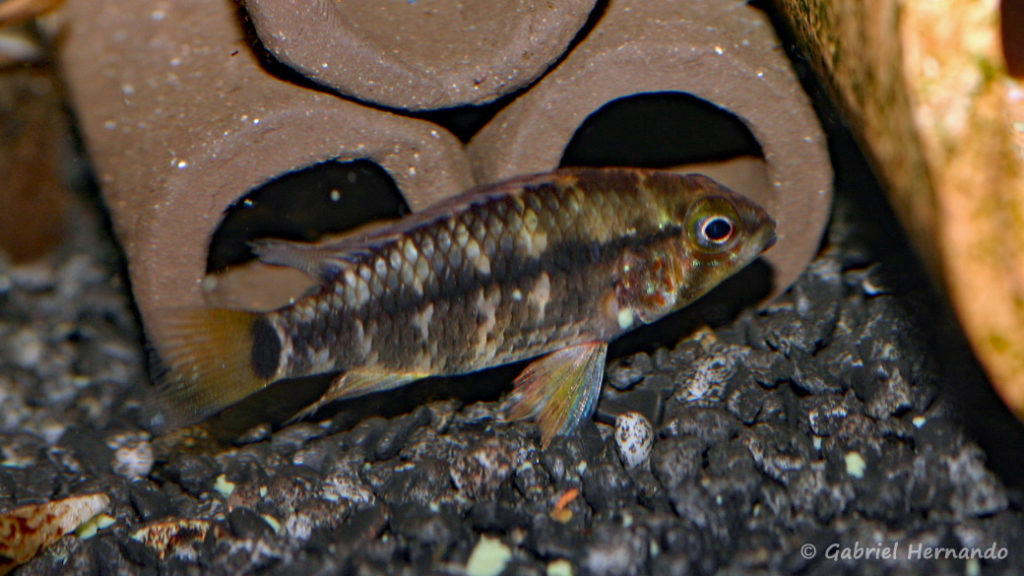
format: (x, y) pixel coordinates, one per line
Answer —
(682, 133)
(659, 130)
(306, 205)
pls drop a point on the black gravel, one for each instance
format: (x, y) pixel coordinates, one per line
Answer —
(825, 421)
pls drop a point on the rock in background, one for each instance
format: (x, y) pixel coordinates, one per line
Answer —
(925, 86)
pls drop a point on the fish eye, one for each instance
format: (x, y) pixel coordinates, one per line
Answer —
(716, 230)
(712, 224)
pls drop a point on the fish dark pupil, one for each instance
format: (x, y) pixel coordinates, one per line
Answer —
(266, 349)
(717, 229)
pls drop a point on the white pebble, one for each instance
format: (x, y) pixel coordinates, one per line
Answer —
(560, 567)
(27, 349)
(133, 456)
(224, 486)
(489, 557)
(855, 464)
(634, 437)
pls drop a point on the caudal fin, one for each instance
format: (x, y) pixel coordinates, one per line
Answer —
(216, 358)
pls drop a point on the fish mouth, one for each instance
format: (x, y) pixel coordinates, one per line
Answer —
(758, 244)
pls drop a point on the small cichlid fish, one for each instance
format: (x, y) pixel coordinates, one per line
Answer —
(551, 266)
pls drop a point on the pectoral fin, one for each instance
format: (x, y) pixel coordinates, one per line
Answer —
(560, 389)
(355, 383)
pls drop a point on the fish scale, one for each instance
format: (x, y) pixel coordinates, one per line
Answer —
(386, 319)
(551, 266)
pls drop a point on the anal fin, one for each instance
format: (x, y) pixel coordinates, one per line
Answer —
(355, 383)
(560, 389)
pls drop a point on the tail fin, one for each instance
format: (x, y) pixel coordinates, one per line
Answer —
(212, 362)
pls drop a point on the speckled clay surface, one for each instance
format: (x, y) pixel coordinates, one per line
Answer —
(419, 55)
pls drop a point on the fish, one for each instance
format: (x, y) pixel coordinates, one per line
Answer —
(548, 267)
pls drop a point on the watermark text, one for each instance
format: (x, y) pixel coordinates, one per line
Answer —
(905, 551)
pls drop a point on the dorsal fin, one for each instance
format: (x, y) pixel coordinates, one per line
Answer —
(321, 262)
(324, 260)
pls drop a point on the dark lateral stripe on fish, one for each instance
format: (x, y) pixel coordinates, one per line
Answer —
(458, 275)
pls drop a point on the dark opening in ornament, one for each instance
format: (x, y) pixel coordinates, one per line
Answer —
(659, 130)
(305, 205)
